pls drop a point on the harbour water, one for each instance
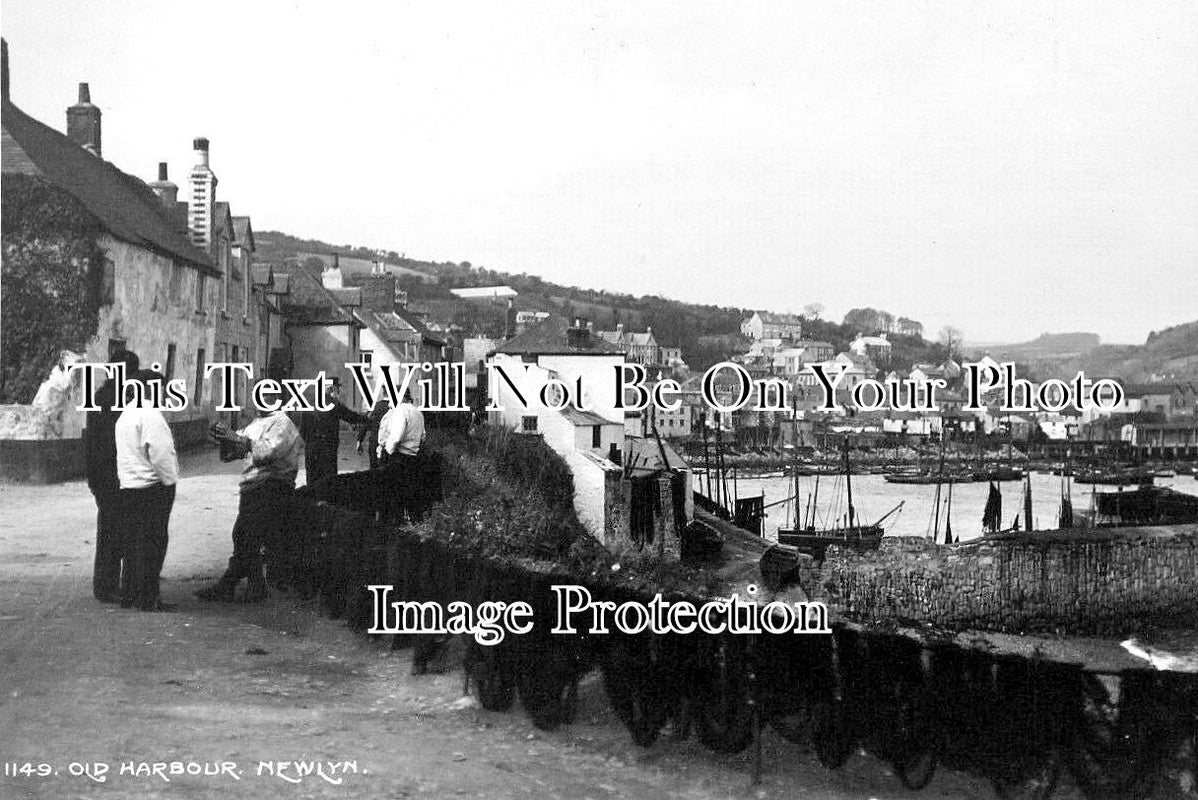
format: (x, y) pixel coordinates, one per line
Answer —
(873, 497)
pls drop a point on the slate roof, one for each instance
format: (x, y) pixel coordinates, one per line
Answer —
(126, 206)
(644, 457)
(549, 338)
(243, 232)
(309, 303)
(585, 419)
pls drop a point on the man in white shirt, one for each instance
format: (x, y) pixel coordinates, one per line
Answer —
(147, 469)
(272, 448)
(401, 433)
(400, 477)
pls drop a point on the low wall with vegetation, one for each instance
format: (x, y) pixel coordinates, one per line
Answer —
(1076, 582)
(504, 532)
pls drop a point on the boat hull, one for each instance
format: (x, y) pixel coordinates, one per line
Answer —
(815, 543)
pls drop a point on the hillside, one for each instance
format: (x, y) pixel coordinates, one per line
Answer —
(707, 334)
(1167, 355)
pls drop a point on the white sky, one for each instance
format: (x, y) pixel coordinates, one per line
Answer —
(1006, 168)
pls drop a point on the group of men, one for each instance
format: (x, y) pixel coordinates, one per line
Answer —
(132, 471)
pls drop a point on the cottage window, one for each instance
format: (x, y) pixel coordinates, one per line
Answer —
(170, 361)
(200, 292)
(528, 424)
(199, 384)
(175, 291)
(596, 436)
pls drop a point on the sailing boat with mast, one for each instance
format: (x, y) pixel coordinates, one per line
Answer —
(807, 538)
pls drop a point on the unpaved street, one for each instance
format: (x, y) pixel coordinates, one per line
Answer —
(82, 682)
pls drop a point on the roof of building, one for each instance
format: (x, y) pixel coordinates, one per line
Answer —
(1143, 389)
(396, 326)
(770, 318)
(872, 341)
(860, 362)
(550, 338)
(585, 419)
(243, 232)
(309, 303)
(347, 295)
(124, 205)
(648, 456)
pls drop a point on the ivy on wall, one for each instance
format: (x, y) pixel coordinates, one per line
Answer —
(51, 274)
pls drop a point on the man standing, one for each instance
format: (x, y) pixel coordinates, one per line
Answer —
(271, 446)
(148, 470)
(400, 437)
(321, 432)
(99, 448)
(401, 433)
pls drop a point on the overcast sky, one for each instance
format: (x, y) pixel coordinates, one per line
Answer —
(1009, 169)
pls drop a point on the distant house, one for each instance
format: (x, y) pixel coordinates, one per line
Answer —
(640, 348)
(556, 349)
(590, 438)
(791, 356)
(858, 368)
(391, 334)
(876, 348)
(767, 325)
(319, 335)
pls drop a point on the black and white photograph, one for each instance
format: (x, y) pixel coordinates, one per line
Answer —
(694, 401)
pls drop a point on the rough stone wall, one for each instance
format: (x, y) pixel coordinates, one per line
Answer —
(1070, 582)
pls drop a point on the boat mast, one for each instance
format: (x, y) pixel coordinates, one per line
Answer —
(1027, 502)
(848, 478)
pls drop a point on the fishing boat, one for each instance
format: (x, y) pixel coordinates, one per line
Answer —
(998, 475)
(1106, 477)
(814, 541)
(930, 478)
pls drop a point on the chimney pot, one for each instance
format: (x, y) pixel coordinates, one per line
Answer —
(162, 176)
(85, 95)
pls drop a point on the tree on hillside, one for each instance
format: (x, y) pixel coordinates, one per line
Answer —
(950, 337)
(864, 320)
(813, 310)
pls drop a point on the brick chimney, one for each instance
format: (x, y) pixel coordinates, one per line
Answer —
(201, 204)
(4, 69)
(378, 293)
(167, 192)
(83, 122)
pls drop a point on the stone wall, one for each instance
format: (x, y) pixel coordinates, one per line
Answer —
(1076, 582)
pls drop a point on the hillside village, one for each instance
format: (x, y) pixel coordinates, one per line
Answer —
(190, 282)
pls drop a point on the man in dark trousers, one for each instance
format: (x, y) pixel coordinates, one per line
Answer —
(99, 448)
(321, 432)
(148, 470)
(271, 448)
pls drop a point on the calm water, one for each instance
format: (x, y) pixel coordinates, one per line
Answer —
(873, 497)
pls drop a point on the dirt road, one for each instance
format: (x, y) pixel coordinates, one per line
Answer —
(228, 689)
